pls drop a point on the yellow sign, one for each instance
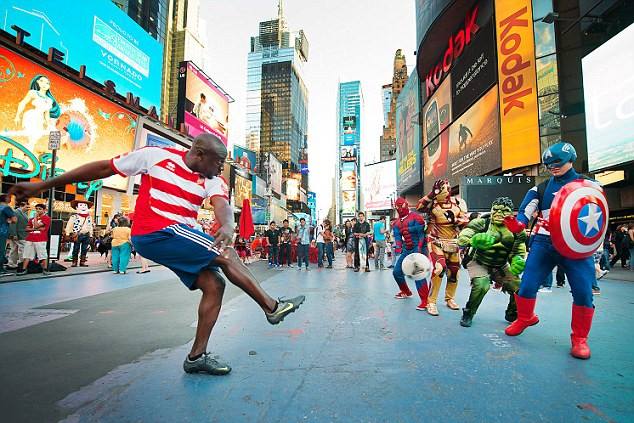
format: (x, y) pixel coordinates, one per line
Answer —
(517, 83)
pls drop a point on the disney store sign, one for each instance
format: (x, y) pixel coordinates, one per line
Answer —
(20, 162)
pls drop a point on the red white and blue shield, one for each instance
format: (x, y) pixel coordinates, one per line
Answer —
(578, 219)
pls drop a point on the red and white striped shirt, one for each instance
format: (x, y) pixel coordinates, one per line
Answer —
(170, 192)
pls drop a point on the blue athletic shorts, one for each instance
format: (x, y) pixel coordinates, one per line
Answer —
(183, 250)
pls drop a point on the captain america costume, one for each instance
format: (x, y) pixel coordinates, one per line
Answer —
(409, 237)
(543, 256)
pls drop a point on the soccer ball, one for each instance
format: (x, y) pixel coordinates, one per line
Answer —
(416, 266)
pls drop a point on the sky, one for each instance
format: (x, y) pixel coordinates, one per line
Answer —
(349, 40)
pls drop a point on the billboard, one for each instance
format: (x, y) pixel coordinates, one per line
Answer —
(349, 153)
(152, 134)
(518, 84)
(348, 180)
(349, 124)
(36, 101)
(202, 105)
(473, 144)
(243, 157)
(475, 71)
(96, 34)
(275, 173)
(436, 118)
(242, 187)
(348, 203)
(293, 184)
(608, 89)
(408, 134)
(259, 209)
(379, 190)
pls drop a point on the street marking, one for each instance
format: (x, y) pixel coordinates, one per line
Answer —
(496, 340)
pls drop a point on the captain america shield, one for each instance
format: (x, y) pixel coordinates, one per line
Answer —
(578, 219)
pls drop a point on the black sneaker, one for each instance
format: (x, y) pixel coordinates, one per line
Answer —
(284, 307)
(21, 273)
(206, 364)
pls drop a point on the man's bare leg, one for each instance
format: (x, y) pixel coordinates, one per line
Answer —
(212, 286)
(241, 276)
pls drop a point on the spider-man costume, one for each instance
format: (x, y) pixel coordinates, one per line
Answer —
(409, 234)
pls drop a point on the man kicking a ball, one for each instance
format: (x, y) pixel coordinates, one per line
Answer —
(173, 186)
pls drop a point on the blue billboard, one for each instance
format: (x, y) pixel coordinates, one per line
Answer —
(96, 34)
(244, 157)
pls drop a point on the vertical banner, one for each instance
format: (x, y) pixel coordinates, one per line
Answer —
(517, 83)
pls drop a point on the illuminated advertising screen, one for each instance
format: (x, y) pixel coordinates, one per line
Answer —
(36, 101)
(348, 203)
(349, 124)
(292, 187)
(608, 89)
(348, 180)
(243, 157)
(275, 173)
(96, 34)
(408, 141)
(242, 187)
(151, 134)
(259, 208)
(473, 144)
(348, 153)
(379, 187)
(437, 112)
(475, 71)
(202, 105)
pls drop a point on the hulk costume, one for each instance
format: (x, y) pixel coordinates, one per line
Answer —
(499, 256)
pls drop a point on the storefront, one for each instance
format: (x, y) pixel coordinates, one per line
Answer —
(37, 100)
(487, 98)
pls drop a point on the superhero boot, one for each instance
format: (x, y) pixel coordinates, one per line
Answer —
(525, 316)
(404, 292)
(510, 315)
(581, 323)
(479, 287)
(423, 292)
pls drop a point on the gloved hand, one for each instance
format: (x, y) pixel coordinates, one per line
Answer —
(514, 225)
(517, 265)
(483, 241)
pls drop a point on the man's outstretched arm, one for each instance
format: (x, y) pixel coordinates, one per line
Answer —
(89, 172)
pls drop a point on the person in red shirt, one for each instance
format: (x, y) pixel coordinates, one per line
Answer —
(35, 245)
(174, 184)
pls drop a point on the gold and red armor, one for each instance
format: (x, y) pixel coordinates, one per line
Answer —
(446, 216)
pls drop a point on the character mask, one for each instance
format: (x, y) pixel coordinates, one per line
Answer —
(402, 207)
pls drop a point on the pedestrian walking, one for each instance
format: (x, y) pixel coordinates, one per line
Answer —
(121, 246)
(319, 239)
(621, 246)
(17, 236)
(379, 232)
(286, 236)
(630, 241)
(349, 243)
(303, 243)
(328, 245)
(273, 238)
(7, 217)
(361, 231)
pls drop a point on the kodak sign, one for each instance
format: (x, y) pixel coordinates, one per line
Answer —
(517, 83)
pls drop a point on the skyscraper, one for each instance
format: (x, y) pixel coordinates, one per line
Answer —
(151, 15)
(277, 98)
(349, 107)
(399, 79)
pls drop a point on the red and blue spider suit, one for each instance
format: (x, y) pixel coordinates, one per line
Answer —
(409, 236)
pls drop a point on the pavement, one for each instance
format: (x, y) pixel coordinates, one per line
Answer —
(95, 262)
(109, 348)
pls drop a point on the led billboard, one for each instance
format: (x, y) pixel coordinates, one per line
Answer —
(96, 34)
(242, 187)
(348, 153)
(36, 101)
(473, 144)
(349, 124)
(348, 203)
(379, 190)
(408, 141)
(202, 105)
(348, 180)
(608, 88)
(275, 173)
(243, 157)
